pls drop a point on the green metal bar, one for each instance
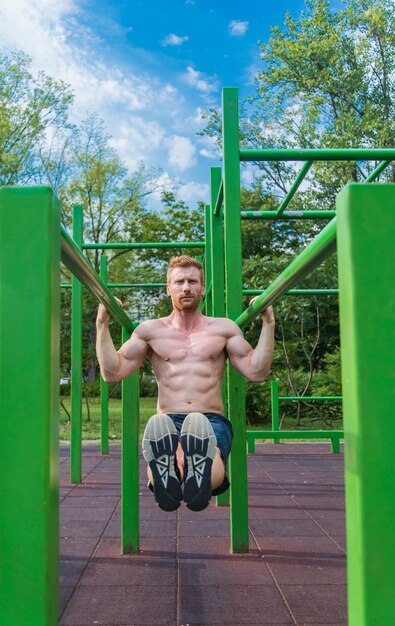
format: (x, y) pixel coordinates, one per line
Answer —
(377, 171)
(310, 398)
(130, 462)
(200, 258)
(275, 407)
(335, 444)
(287, 215)
(366, 255)
(294, 188)
(217, 276)
(219, 199)
(103, 384)
(250, 443)
(207, 259)
(317, 251)
(82, 269)
(217, 249)
(29, 407)
(233, 285)
(76, 360)
(144, 244)
(126, 285)
(246, 292)
(295, 292)
(296, 434)
(319, 154)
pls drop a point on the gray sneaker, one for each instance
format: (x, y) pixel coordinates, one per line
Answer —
(198, 442)
(159, 445)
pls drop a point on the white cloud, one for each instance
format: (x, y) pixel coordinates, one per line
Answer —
(238, 28)
(209, 148)
(194, 192)
(50, 33)
(196, 79)
(181, 152)
(136, 139)
(174, 40)
(148, 117)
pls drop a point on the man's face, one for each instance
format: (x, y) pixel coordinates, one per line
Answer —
(185, 288)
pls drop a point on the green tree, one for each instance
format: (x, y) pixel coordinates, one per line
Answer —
(326, 81)
(31, 107)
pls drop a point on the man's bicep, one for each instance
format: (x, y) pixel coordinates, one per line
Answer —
(134, 350)
(237, 348)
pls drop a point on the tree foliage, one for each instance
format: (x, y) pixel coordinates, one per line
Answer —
(29, 108)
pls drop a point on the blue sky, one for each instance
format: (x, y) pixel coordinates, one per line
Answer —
(148, 69)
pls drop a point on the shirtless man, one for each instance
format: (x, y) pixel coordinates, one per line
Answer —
(186, 444)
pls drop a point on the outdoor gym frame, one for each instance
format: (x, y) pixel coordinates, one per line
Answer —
(30, 244)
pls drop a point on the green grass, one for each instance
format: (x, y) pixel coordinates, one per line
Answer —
(91, 429)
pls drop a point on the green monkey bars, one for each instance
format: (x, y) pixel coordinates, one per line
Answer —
(29, 285)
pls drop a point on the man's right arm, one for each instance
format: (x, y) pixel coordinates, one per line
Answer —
(115, 364)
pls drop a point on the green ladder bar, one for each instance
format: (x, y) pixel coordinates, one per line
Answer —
(103, 384)
(130, 461)
(366, 254)
(76, 359)
(233, 284)
(29, 408)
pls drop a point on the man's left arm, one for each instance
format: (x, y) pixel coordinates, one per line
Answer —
(254, 364)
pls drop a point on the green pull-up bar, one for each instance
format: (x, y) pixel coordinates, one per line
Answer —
(82, 269)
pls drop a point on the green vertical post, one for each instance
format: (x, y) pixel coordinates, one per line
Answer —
(250, 443)
(76, 359)
(275, 408)
(29, 407)
(234, 290)
(366, 254)
(207, 260)
(217, 275)
(103, 384)
(217, 248)
(130, 462)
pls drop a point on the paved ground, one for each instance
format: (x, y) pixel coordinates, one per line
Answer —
(185, 575)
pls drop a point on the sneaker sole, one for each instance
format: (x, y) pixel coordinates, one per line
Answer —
(198, 442)
(160, 441)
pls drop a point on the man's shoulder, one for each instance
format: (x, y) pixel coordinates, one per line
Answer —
(146, 328)
(225, 324)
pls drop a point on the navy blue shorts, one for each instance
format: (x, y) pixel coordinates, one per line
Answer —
(224, 433)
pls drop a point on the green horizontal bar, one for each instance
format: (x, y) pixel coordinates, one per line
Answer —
(294, 188)
(295, 292)
(246, 292)
(317, 251)
(81, 268)
(309, 398)
(288, 215)
(296, 215)
(295, 434)
(319, 154)
(125, 285)
(220, 198)
(144, 244)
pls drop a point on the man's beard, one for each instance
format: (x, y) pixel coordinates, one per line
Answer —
(182, 304)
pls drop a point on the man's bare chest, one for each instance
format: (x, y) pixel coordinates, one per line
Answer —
(177, 347)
